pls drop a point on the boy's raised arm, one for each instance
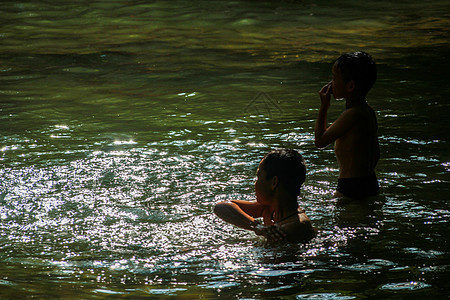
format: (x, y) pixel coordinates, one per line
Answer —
(324, 136)
(339, 127)
(321, 122)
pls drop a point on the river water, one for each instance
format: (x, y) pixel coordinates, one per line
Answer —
(123, 122)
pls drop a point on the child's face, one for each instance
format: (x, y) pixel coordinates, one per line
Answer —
(338, 84)
(262, 186)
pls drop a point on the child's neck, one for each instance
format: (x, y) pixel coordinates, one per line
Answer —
(283, 211)
(354, 101)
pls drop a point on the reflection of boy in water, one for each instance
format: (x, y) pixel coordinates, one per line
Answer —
(279, 178)
(355, 130)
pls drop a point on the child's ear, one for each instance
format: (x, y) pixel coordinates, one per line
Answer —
(351, 86)
(274, 182)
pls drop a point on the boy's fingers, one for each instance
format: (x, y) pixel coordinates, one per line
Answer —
(278, 233)
(325, 88)
(282, 233)
(273, 233)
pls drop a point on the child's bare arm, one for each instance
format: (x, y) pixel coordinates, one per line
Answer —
(234, 214)
(321, 122)
(324, 136)
(238, 213)
(339, 127)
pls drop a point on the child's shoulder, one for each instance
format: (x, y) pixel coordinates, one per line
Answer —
(298, 227)
(360, 112)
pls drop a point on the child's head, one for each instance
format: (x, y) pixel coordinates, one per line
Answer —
(288, 165)
(360, 68)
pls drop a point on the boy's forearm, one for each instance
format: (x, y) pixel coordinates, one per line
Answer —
(233, 214)
(321, 124)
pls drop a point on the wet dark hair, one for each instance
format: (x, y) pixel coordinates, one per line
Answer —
(359, 67)
(289, 166)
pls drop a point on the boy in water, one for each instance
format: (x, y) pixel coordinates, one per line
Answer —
(355, 130)
(280, 176)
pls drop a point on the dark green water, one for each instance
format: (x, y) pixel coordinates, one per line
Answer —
(123, 122)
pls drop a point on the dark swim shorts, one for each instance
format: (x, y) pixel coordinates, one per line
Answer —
(359, 188)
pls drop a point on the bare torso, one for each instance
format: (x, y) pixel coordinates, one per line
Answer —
(357, 151)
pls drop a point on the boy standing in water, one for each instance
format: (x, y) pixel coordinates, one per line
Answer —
(280, 176)
(355, 130)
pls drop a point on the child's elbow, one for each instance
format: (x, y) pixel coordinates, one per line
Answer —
(216, 208)
(219, 208)
(319, 144)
